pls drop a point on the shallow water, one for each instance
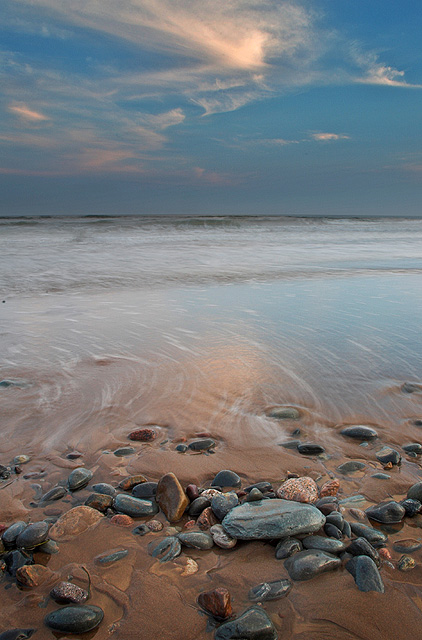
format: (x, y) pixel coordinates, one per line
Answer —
(202, 325)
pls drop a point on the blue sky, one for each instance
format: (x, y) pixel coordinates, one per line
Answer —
(210, 107)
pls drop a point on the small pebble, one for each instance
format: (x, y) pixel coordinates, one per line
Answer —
(155, 525)
(143, 435)
(406, 563)
(68, 593)
(122, 520)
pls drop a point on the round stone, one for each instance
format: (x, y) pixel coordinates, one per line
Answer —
(146, 490)
(202, 445)
(308, 564)
(413, 447)
(75, 619)
(74, 522)
(122, 520)
(374, 536)
(351, 466)
(221, 538)
(68, 593)
(11, 533)
(365, 573)
(226, 478)
(105, 489)
(387, 454)
(330, 545)
(359, 432)
(270, 590)
(253, 624)
(299, 489)
(134, 507)
(361, 547)
(386, 512)
(198, 505)
(415, 492)
(196, 540)
(310, 449)
(32, 535)
(330, 488)
(22, 459)
(222, 503)
(79, 478)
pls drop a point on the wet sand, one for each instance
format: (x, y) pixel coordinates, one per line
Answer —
(199, 365)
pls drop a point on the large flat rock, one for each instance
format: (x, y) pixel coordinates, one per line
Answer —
(266, 519)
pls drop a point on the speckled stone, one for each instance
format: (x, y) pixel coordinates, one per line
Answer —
(68, 593)
(209, 494)
(155, 525)
(359, 432)
(299, 489)
(143, 435)
(207, 519)
(79, 478)
(171, 497)
(122, 520)
(33, 575)
(253, 624)
(74, 522)
(330, 488)
(405, 563)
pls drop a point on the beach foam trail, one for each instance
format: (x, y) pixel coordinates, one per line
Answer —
(201, 327)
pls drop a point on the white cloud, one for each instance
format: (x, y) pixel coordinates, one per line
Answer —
(328, 137)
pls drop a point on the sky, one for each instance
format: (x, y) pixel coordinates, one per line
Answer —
(210, 107)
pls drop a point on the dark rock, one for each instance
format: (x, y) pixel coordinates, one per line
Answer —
(16, 559)
(202, 445)
(50, 547)
(413, 447)
(290, 444)
(332, 531)
(182, 448)
(374, 536)
(270, 590)
(226, 478)
(192, 492)
(56, 493)
(171, 497)
(386, 512)
(329, 545)
(146, 490)
(222, 503)
(141, 530)
(417, 422)
(216, 602)
(365, 573)
(198, 505)
(411, 387)
(284, 413)
(272, 519)
(310, 449)
(74, 455)
(359, 432)
(131, 481)
(264, 487)
(253, 624)
(407, 546)
(32, 535)
(254, 495)
(361, 547)
(122, 452)
(99, 501)
(79, 478)
(351, 466)
(4, 471)
(68, 593)
(11, 533)
(105, 489)
(75, 618)
(286, 548)
(134, 507)
(381, 476)
(326, 507)
(347, 531)
(165, 549)
(415, 492)
(336, 519)
(17, 634)
(110, 557)
(143, 435)
(196, 540)
(387, 454)
(308, 564)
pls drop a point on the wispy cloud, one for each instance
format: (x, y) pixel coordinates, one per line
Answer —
(328, 137)
(27, 114)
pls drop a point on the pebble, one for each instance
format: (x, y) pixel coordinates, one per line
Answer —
(192, 492)
(330, 488)
(108, 558)
(332, 531)
(357, 499)
(143, 435)
(16, 559)
(17, 634)
(182, 448)
(68, 593)
(196, 540)
(155, 525)
(406, 563)
(79, 478)
(56, 493)
(330, 545)
(128, 483)
(299, 489)
(361, 547)
(105, 489)
(359, 432)
(50, 547)
(22, 459)
(254, 495)
(284, 413)
(253, 624)
(264, 487)
(336, 519)
(145, 490)
(74, 522)
(407, 546)
(122, 520)
(216, 602)
(202, 445)
(134, 507)
(75, 618)
(32, 535)
(226, 478)
(386, 512)
(270, 590)
(221, 538)
(310, 449)
(207, 519)
(191, 567)
(358, 514)
(190, 524)
(351, 466)
(99, 501)
(413, 447)
(209, 493)
(222, 503)
(198, 505)
(171, 497)
(33, 575)
(286, 548)
(74, 455)
(272, 519)
(374, 536)
(387, 454)
(165, 549)
(365, 573)
(381, 476)
(415, 492)
(122, 452)
(310, 563)
(411, 387)
(11, 533)
(384, 553)
(290, 444)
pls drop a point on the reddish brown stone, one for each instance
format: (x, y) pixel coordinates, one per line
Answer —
(190, 524)
(122, 520)
(69, 593)
(241, 493)
(358, 514)
(143, 435)
(388, 466)
(299, 489)
(99, 501)
(330, 488)
(207, 519)
(33, 575)
(291, 474)
(155, 525)
(216, 602)
(74, 522)
(384, 553)
(192, 492)
(203, 434)
(171, 498)
(128, 483)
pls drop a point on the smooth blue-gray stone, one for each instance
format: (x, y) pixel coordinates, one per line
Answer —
(11, 533)
(121, 452)
(365, 573)
(359, 432)
(330, 545)
(361, 547)
(407, 546)
(253, 624)
(16, 559)
(56, 493)
(254, 495)
(198, 505)
(351, 466)
(222, 503)
(105, 489)
(308, 564)
(262, 486)
(108, 558)
(412, 507)
(165, 549)
(386, 512)
(196, 540)
(413, 447)
(226, 478)
(381, 476)
(145, 490)
(387, 454)
(411, 387)
(75, 618)
(415, 491)
(33, 535)
(353, 501)
(134, 507)
(79, 478)
(275, 518)
(270, 590)
(286, 548)
(202, 445)
(374, 536)
(335, 518)
(50, 547)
